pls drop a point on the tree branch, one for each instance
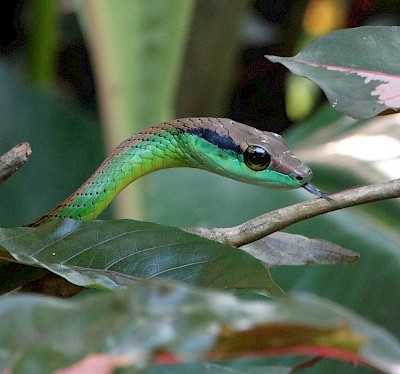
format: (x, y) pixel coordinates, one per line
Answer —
(11, 161)
(268, 223)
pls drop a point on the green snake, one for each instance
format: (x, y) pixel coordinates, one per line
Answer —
(218, 145)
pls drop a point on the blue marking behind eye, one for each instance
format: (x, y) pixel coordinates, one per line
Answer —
(221, 141)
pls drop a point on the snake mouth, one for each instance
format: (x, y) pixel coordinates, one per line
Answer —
(315, 191)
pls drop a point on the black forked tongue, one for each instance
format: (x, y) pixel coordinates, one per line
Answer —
(315, 191)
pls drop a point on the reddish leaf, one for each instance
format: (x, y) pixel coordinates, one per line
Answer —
(96, 363)
(356, 68)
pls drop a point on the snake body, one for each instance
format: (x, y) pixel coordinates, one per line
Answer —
(218, 145)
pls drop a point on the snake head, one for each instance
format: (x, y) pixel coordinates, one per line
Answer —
(241, 152)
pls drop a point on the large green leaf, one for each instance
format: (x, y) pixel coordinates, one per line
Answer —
(108, 254)
(356, 68)
(149, 323)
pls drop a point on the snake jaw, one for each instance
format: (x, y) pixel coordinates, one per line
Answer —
(315, 191)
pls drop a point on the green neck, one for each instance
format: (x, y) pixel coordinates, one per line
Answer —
(133, 159)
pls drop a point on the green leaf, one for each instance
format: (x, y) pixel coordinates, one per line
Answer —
(43, 42)
(108, 254)
(211, 57)
(356, 68)
(149, 322)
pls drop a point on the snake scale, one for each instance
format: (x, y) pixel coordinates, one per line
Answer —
(218, 145)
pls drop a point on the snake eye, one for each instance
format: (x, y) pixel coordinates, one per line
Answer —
(256, 158)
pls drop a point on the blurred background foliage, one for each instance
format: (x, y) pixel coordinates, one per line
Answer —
(78, 77)
(68, 66)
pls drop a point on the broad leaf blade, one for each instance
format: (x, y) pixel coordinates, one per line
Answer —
(281, 248)
(107, 254)
(356, 68)
(149, 320)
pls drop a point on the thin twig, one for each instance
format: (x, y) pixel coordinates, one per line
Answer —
(267, 223)
(11, 161)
